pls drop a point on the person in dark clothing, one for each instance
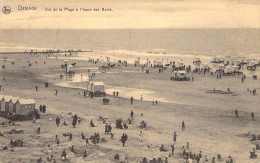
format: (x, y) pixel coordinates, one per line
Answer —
(85, 154)
(174, 136)
(257, 147)
(91, 123)
(109, 128)
(64, 155)
(123, 139)
(184, 153)
(12, 143)
(87, 143)
(183, 125)
(117, 157)
(132, 100)
(172, 147)
(236, 112)
(40, 108)
(132, 114)
(252, 115)
(106, 129)
(70, 137)
(43, 108)
(144, 160)
(74, 122)
(200, 155)
(159, 160)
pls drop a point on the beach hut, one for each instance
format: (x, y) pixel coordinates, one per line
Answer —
(159, 64)
(220, 68)
(69, 70)
(97, 88)
(2, 104)
(251, 65)
(12, 103)
(237, 62)
(179, 76)
(24, 107)
(6, 100)
(217, 60)
(137, 61)
(205, 67)
(179, 66)
(227, 71)
(197, 61)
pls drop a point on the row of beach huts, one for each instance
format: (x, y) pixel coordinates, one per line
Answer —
(10, 105)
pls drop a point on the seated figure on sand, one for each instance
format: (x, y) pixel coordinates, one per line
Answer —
(64, 155)
(92, 124)
(257, 147)
(252, 154)
(163, 149)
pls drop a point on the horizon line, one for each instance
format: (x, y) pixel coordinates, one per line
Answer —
(125, 28)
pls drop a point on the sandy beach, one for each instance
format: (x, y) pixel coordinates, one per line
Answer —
(211, 125)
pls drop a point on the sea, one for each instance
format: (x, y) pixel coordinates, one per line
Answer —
(180, 42)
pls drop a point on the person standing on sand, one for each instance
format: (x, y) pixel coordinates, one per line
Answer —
(70, 139)
(174, 137)
(236, 112)
(109, 128)
(141, 97)
(132, 114)
(123, 139)
(56, 92)
(117, 93)
(172, 147)
(132, 100)
(252, 115)
(183, 125)
(74, 122)
(87, 143)
(58, 141)
(106, 129)
(36, 88)
(57, 121)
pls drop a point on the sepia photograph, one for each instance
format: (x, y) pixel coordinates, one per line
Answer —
(129, 81)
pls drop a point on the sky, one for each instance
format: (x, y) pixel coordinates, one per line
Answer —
(132, 14)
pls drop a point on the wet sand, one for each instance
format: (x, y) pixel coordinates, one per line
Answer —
(211, 126)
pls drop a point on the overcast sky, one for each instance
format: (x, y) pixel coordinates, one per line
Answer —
(134, 14)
